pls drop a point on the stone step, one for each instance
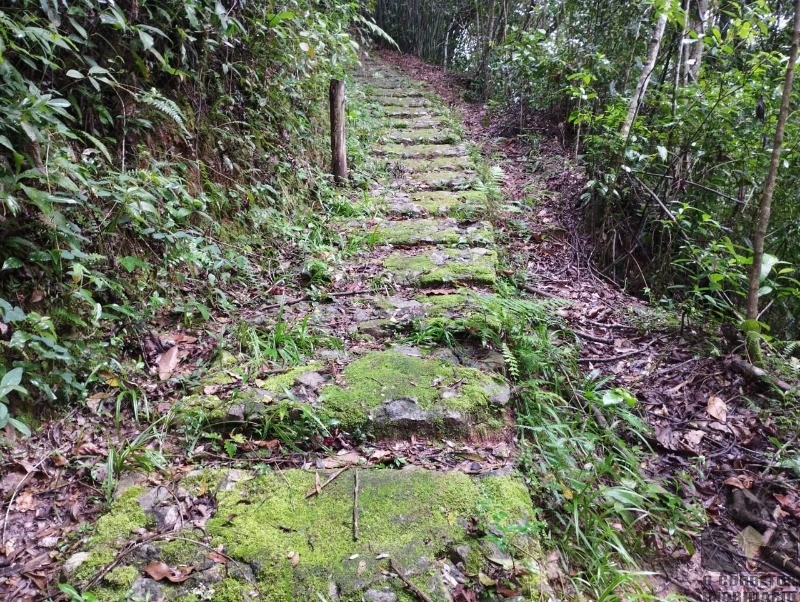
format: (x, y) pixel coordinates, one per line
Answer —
(413, 151)
(443, 267)
(272, 541)
(390, 101)
(416, 123)
(444, 231)
(405, 112)
(438, 203)
(441, 180)
(430, 164)
(423, 136)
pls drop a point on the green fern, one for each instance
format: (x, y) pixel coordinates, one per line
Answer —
(511, 362)
(164, 105)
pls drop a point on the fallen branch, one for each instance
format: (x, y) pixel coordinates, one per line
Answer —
(420, 596)
(752, 371)
(355, 506)
(333, 477)
(535, 291)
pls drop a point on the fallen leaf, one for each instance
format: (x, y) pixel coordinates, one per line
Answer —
(717, 408)
(294, 557)
(342, 460)
(485, 580)
(25, 502)
(750, 541)
(507, 592)
(362, 566)
(693, 438)
(217, 557)
(160, 570)
(743, 482)
(167, 363)
(184, 338)
(506, 563)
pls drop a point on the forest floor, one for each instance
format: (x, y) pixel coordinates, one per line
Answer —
(236, 489)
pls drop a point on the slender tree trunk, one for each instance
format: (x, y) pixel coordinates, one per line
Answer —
(647, 70)
(769, 188)
(338, 147)
(695, 57)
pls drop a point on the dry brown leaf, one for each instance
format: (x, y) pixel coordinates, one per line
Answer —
(167, 363)
(485, 580)
(217, 557)
(343, 460)
(717, 408)
(184, 338)
(160, 570)
(294, 557)
(693, 439)
(750, 541)
(25, 502)
(743, 482)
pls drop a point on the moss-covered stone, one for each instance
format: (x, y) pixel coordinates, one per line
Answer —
(443, 266)
(304, 547)
(112, 531)
(410, 151)
(392, 394)
(443, 180)
(409, 111)
(412, 232)
(423, 136)
(422, 165)
(404, 102)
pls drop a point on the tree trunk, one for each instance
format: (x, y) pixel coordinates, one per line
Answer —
(647, 70)
(338, 148)
(769, 188)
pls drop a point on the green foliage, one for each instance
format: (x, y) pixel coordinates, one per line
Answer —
(139, 159)
(8, 384)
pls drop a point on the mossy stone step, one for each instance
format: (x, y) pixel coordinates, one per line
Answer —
(392, 101)
(284, 546)
(410, 112)
(462, 203)
(428, 164)
(423, 136)
(441, 180)
(437, 267)
(397, 92)
(416, 123)
(445, 231)
(419, 151)
(399, 394)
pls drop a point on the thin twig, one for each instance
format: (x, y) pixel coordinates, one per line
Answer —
(420, 596)
(355, 505)
(316, 490)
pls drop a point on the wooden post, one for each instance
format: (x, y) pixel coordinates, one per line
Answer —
(338, 148)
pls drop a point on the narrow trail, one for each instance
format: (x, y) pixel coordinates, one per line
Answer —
(413, 503)
(412, 513)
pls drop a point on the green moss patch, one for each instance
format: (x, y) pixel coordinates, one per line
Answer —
(389, 393)
(443, 266)
(409, 111)
(450, 202)
(412, 232)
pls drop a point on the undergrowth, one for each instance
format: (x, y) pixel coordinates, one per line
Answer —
(584, 450)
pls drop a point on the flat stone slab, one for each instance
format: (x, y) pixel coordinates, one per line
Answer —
(411, 151)
(442, 180)
(437, 267)
(394, 101)
(422, 165)
(445, 231)
(423, 136)
(394, 111)
(417, 123)
(273, 542)
(399, 395)
(438, 203)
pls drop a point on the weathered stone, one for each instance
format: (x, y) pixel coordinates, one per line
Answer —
(391, 393)
(445, 163)
(445, 231)
(311, 379)
(443, 266)
(423, 136)
(442, 180)
(410, 151)
(73, 562)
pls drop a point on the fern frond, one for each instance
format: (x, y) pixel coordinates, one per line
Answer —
(164, 105)
(377, 31)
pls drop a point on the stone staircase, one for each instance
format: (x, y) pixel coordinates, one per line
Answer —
(350, 527)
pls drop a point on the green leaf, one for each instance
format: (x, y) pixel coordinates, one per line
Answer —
(10, 382)
(767, 263)
(662, 152)
(12, 263)
(74, 74)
